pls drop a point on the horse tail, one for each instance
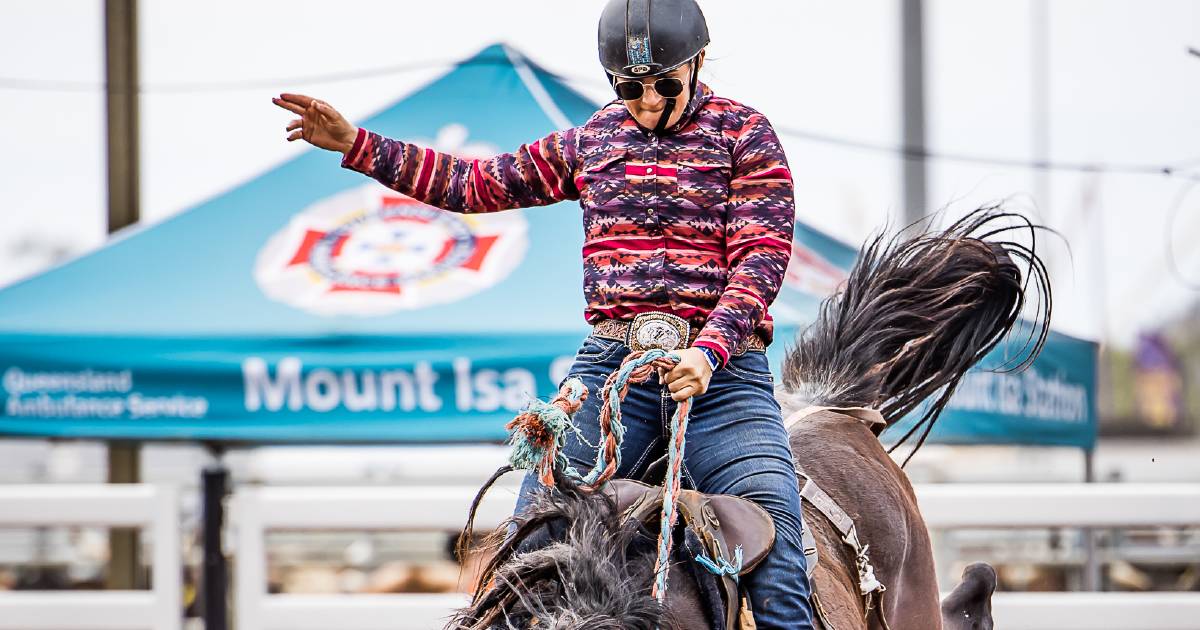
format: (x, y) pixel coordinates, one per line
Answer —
(916, 313)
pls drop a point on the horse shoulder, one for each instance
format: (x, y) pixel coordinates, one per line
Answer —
(850, 464)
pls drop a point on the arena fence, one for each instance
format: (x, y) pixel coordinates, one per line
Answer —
(257, 510)
(135, 506)
(254, 511)
(997, 506)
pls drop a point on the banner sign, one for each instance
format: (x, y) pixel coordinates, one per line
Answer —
(426, 389)
(322, 390)
(1050, 403)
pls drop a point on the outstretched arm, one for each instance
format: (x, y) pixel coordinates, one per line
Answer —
(538, 173)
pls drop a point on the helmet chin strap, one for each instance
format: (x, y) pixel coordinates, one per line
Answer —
(670, 107)
(666, 115)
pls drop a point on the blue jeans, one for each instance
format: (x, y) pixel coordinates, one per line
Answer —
(736, 444)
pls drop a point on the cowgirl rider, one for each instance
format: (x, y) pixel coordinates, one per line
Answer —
(687, 215)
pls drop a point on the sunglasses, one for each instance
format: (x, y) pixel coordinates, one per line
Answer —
(666, 87)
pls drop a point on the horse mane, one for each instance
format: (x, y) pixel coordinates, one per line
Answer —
(568, 562)
(916, 313)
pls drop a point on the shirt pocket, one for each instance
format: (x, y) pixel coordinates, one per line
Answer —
(601, 181)
(704, 177)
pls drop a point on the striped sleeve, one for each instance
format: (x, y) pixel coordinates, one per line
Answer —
(536, 174)
(758, 236)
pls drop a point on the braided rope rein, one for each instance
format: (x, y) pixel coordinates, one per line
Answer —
(538, 434)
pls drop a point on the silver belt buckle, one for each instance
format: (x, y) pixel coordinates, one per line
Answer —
(661, 331)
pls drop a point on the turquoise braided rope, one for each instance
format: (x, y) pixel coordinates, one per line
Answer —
(722, 567)
(671, 487)
(613, 400)
(525, 455)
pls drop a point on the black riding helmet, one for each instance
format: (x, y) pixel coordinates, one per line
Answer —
(642, 38)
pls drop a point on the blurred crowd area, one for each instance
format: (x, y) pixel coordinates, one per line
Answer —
(1153, 387)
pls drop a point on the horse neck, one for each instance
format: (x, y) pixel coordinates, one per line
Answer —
(849, 463)
(842, 454)
(850, 433)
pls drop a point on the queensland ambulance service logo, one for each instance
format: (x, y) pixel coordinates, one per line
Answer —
(372, 251)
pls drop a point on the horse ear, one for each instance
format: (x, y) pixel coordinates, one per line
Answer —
(463, 548)
(969, 605)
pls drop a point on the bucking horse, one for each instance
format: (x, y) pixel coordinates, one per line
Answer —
(915, 313)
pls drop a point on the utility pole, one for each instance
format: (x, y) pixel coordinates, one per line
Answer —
(121, 83)
(912, 88)
(1040, 127)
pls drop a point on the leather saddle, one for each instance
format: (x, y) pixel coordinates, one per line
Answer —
(722, 523)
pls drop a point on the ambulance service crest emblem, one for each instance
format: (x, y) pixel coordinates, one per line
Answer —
(370, 251)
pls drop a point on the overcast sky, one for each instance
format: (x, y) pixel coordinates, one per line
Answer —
(1123, 89)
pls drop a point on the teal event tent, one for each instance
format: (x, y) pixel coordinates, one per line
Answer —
(311, 304)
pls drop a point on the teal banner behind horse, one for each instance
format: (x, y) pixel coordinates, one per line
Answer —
(1050, 403)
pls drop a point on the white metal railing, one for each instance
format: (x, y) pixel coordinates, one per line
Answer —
(140, 506)
(1096, 611)
(256, 510)
(950, 506)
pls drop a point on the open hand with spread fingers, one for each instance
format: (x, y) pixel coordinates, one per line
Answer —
(319, 124)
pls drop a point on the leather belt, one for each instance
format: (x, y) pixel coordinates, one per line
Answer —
(663, 331)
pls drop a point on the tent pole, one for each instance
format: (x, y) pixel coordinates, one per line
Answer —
(121, 80)
(215, 488)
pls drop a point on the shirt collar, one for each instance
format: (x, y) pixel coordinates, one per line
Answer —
(703, 94)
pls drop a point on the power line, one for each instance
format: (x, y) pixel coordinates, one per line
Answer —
(1177, 170)
(1172, 262)
(914, 153)
(40, 85)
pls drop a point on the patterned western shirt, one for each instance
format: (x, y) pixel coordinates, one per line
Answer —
(697, 222)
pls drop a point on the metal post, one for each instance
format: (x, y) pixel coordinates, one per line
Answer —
(1091, 567)
(1040, 127)
(1040, 73)
(121, 72)
(124, 552)
(912, 54)
(215, 485)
